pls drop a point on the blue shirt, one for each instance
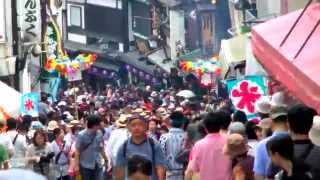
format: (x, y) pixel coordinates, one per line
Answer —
(107, 133)
(144, 149)
(172, 144)
(262, 159)
(91, 156)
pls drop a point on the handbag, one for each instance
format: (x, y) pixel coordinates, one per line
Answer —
(182, 157)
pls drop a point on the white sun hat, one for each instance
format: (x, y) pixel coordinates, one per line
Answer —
(314, 133)
(263, 105)
(278, 99)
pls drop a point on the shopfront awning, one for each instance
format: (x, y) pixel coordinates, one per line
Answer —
(295, 66)
(10, 101)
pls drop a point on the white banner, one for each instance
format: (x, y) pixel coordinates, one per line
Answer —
(29, 19)
(2, 22)
(75, 76)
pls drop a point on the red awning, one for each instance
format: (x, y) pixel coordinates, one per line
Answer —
(301, 74)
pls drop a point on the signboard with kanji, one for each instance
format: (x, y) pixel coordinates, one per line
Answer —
(29, 19)
(244, 93)
(29, 104)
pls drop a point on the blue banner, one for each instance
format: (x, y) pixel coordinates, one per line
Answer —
(30, 104)
(244, 93)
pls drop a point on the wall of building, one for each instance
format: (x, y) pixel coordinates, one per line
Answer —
(7, 61)
(177, 30)
(271, 8)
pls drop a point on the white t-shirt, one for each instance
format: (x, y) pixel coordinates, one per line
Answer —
(20, 147)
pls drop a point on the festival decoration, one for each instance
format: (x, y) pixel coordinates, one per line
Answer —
(67, 66)
(246, 92)
(29, 104)
(201, 66)
(206, 70)
(58, 60)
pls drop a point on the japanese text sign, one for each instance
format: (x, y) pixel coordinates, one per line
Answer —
(246, 92)
(29, 19)
(29, 104)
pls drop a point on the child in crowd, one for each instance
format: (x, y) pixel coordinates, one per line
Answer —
(139, 168)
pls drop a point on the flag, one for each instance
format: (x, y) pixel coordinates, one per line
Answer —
(29, 104)
(244, 93)
(54, 86)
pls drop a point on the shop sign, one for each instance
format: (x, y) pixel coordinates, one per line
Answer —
(29, 19)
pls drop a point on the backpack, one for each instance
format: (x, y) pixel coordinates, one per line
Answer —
(152, 144)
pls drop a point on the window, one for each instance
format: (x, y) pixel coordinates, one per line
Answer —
(115, 4)
(76, 15)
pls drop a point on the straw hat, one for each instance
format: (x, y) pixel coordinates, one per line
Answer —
(235, 146)
(314, 133)
(138, 110)
(52, 125)
(74, 123)
(122, 121)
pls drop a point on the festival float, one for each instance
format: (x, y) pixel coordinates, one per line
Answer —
(58, 60)
(205, 70)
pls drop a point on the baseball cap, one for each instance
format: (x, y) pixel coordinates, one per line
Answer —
(278, 111)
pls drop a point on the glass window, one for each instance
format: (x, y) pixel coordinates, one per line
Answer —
(75, 16)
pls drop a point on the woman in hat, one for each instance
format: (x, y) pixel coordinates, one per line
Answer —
(40, 153)
(242, 164)
(51, 126)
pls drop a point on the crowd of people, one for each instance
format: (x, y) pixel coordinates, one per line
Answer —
(146, 134)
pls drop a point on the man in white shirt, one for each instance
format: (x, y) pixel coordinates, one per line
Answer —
(118, 137)
(20, 142)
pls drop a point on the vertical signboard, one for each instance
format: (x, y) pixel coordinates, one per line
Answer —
(2, 21)
(29, 19)
(29, 22)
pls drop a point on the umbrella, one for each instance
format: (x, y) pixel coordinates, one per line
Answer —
(186, 94)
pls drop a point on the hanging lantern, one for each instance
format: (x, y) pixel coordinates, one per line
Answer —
(95, 70)
(154, 80)
(134, 70)
(147, 77)
(141, 74)
(128, 67)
